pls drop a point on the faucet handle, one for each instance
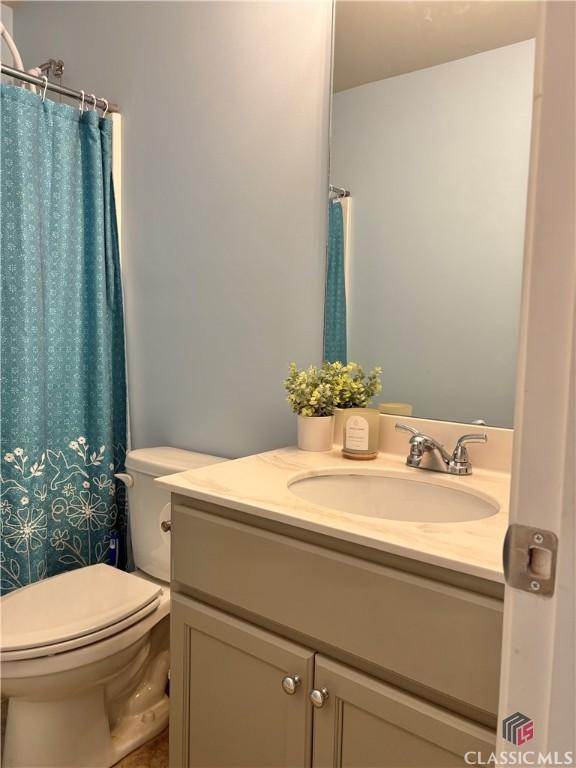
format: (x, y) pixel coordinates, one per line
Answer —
(406, 428)
(460, 461)
(479, 437)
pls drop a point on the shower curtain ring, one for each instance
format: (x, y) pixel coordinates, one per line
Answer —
(45, 87)
(81, 107)
(93, 102)
(106, 110)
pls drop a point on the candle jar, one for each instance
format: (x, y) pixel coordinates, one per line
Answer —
(360, 433)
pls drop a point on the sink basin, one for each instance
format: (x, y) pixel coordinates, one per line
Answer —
(393, 498)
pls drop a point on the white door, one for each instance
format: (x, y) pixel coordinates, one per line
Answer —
(538, 685)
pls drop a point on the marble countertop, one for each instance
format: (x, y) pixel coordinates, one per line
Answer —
(259, 485)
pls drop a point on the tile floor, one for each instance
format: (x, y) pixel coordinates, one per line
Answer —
(154, 754)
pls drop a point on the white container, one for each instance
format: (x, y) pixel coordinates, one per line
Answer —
(315, 433)
(339, 421)
(149, 505)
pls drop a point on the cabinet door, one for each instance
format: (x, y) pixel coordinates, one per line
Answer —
(228, 708)
(367, 724)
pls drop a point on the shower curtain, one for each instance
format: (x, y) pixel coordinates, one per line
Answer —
(63, 392)
(335, 297)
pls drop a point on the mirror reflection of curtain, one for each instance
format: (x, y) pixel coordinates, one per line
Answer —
(335, 330)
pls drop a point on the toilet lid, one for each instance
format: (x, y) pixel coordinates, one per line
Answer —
(72, 605)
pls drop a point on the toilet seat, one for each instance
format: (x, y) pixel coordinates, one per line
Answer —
(81, 641)
(73, 610)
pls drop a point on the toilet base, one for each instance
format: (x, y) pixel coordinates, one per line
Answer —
(75, 733)
(69, 733)
(93, 728)
(135, 730)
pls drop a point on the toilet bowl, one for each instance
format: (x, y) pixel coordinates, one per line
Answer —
(85, 688)
(84, 656)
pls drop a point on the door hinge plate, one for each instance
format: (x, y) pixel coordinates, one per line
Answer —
(530, 559)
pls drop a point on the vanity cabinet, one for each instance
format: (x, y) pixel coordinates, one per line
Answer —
(228, 704)
(408, 655)
(365, 723)
(227, 686)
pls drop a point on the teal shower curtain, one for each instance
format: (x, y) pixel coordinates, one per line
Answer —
(63, 392)
(335, 297)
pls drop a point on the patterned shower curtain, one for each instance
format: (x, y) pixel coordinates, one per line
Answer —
(335, 330)
(63, 394)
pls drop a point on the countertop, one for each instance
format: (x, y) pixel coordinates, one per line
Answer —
(259, 484)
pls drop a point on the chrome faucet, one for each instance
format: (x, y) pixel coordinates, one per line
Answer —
(427, 453)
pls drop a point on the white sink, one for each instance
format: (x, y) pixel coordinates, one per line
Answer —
(390, 497)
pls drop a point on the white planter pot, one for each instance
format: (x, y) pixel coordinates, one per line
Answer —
(315, 433)
(339, 421)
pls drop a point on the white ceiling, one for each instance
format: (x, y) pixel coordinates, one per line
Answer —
(375, 39)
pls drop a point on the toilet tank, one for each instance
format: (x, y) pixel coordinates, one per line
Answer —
(149, 505)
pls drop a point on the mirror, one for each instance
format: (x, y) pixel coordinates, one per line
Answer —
(430, 141)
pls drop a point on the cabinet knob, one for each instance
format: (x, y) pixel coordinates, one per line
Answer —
(166, 525)
(290, 684)
(319, 696)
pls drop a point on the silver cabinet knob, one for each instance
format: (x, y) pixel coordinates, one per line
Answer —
(166, 525)
(319, 696)
(290, 684)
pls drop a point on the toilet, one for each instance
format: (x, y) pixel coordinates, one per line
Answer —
(84, 656)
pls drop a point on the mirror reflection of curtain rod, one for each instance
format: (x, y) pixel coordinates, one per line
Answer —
(339, 191)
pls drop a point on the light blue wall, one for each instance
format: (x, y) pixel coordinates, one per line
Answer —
(225, 109)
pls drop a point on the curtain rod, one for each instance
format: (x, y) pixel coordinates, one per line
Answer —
(19, 74)
(339, 191)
